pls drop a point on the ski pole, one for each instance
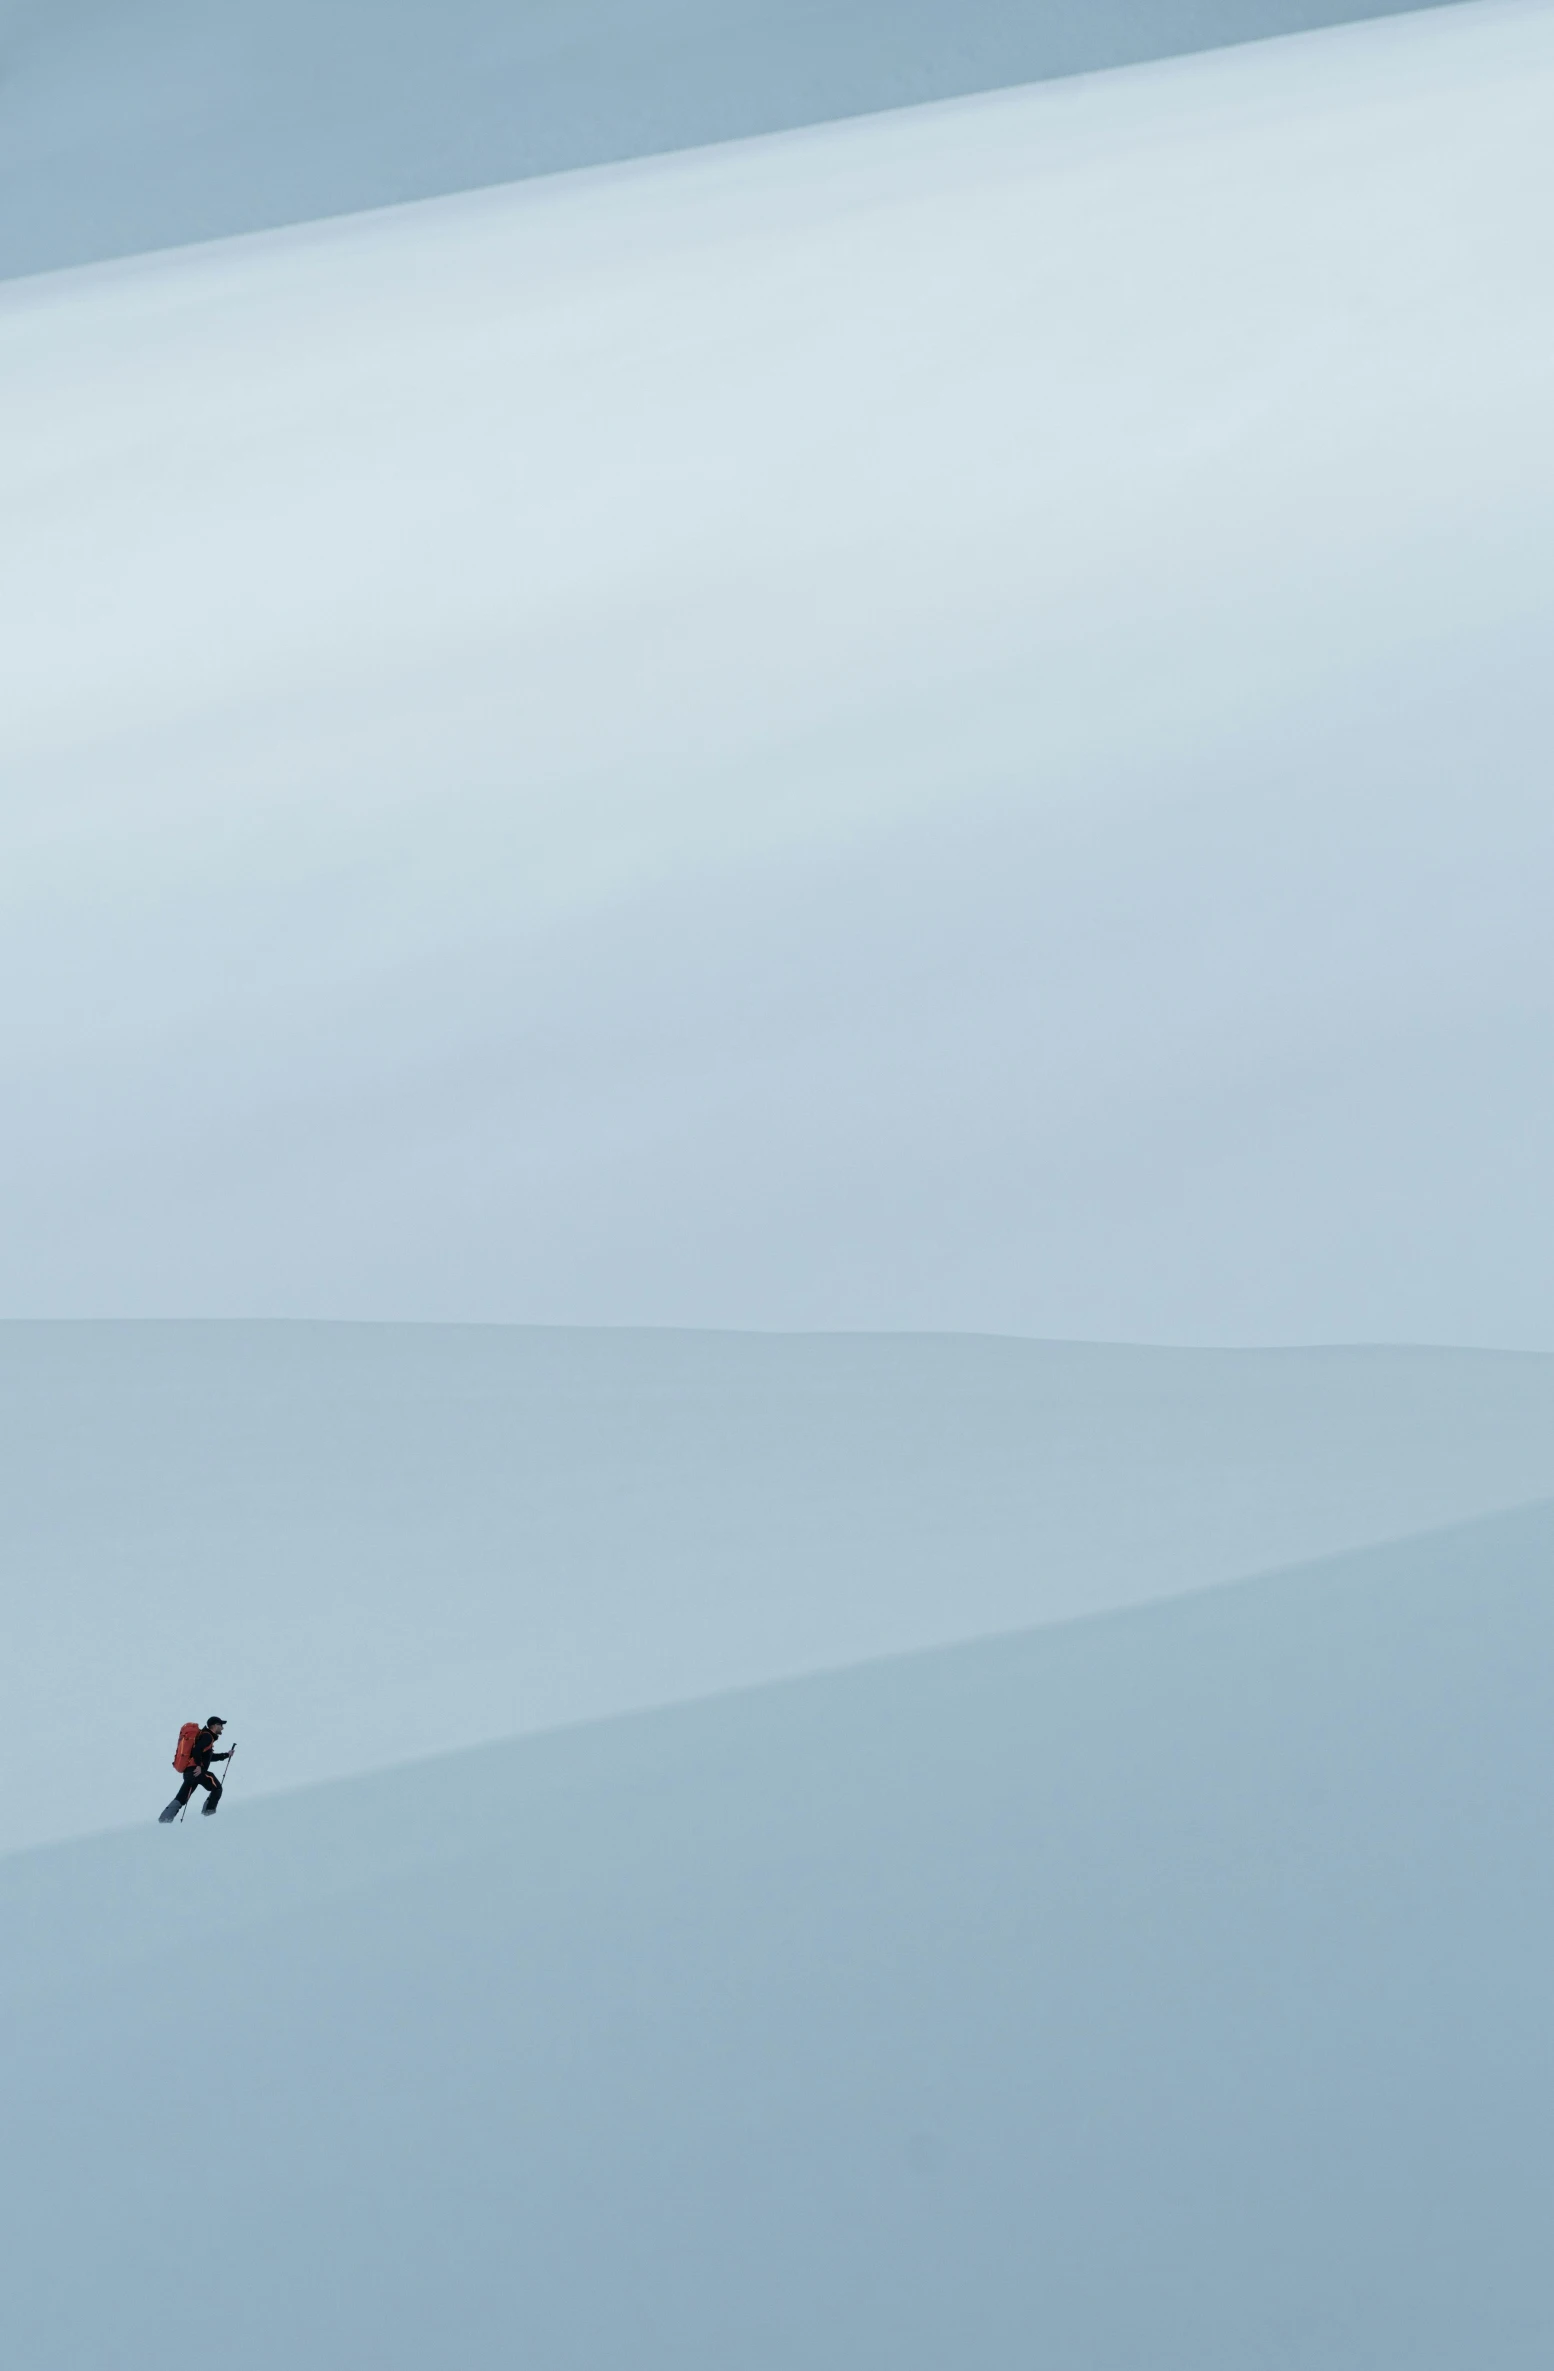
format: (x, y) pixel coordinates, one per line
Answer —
(183, 1815)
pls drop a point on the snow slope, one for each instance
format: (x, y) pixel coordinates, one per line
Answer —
(361, 1544)
(934, 723)
(1170, 1989)
(155, 122)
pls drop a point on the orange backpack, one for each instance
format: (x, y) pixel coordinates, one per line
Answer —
(186, 1737)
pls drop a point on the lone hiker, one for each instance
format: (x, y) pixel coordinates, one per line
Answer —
(196, 1752)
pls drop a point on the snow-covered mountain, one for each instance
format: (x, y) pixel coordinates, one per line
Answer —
(932, 723)
(1166, 1989)
(154, 122)
(939, 722)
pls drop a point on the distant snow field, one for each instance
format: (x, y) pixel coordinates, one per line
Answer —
(935, 723)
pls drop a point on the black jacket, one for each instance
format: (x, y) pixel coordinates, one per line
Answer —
(203, 1751)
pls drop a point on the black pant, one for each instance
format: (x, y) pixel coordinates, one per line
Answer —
(194, 1778)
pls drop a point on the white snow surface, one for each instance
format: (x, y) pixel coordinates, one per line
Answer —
(936, 723)
(363, 1544)
(1165, 1990)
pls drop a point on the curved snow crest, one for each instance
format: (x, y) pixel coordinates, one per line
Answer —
(164, 121)
(938, 723)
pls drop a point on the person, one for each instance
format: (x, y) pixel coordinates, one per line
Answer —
(199, 1773)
